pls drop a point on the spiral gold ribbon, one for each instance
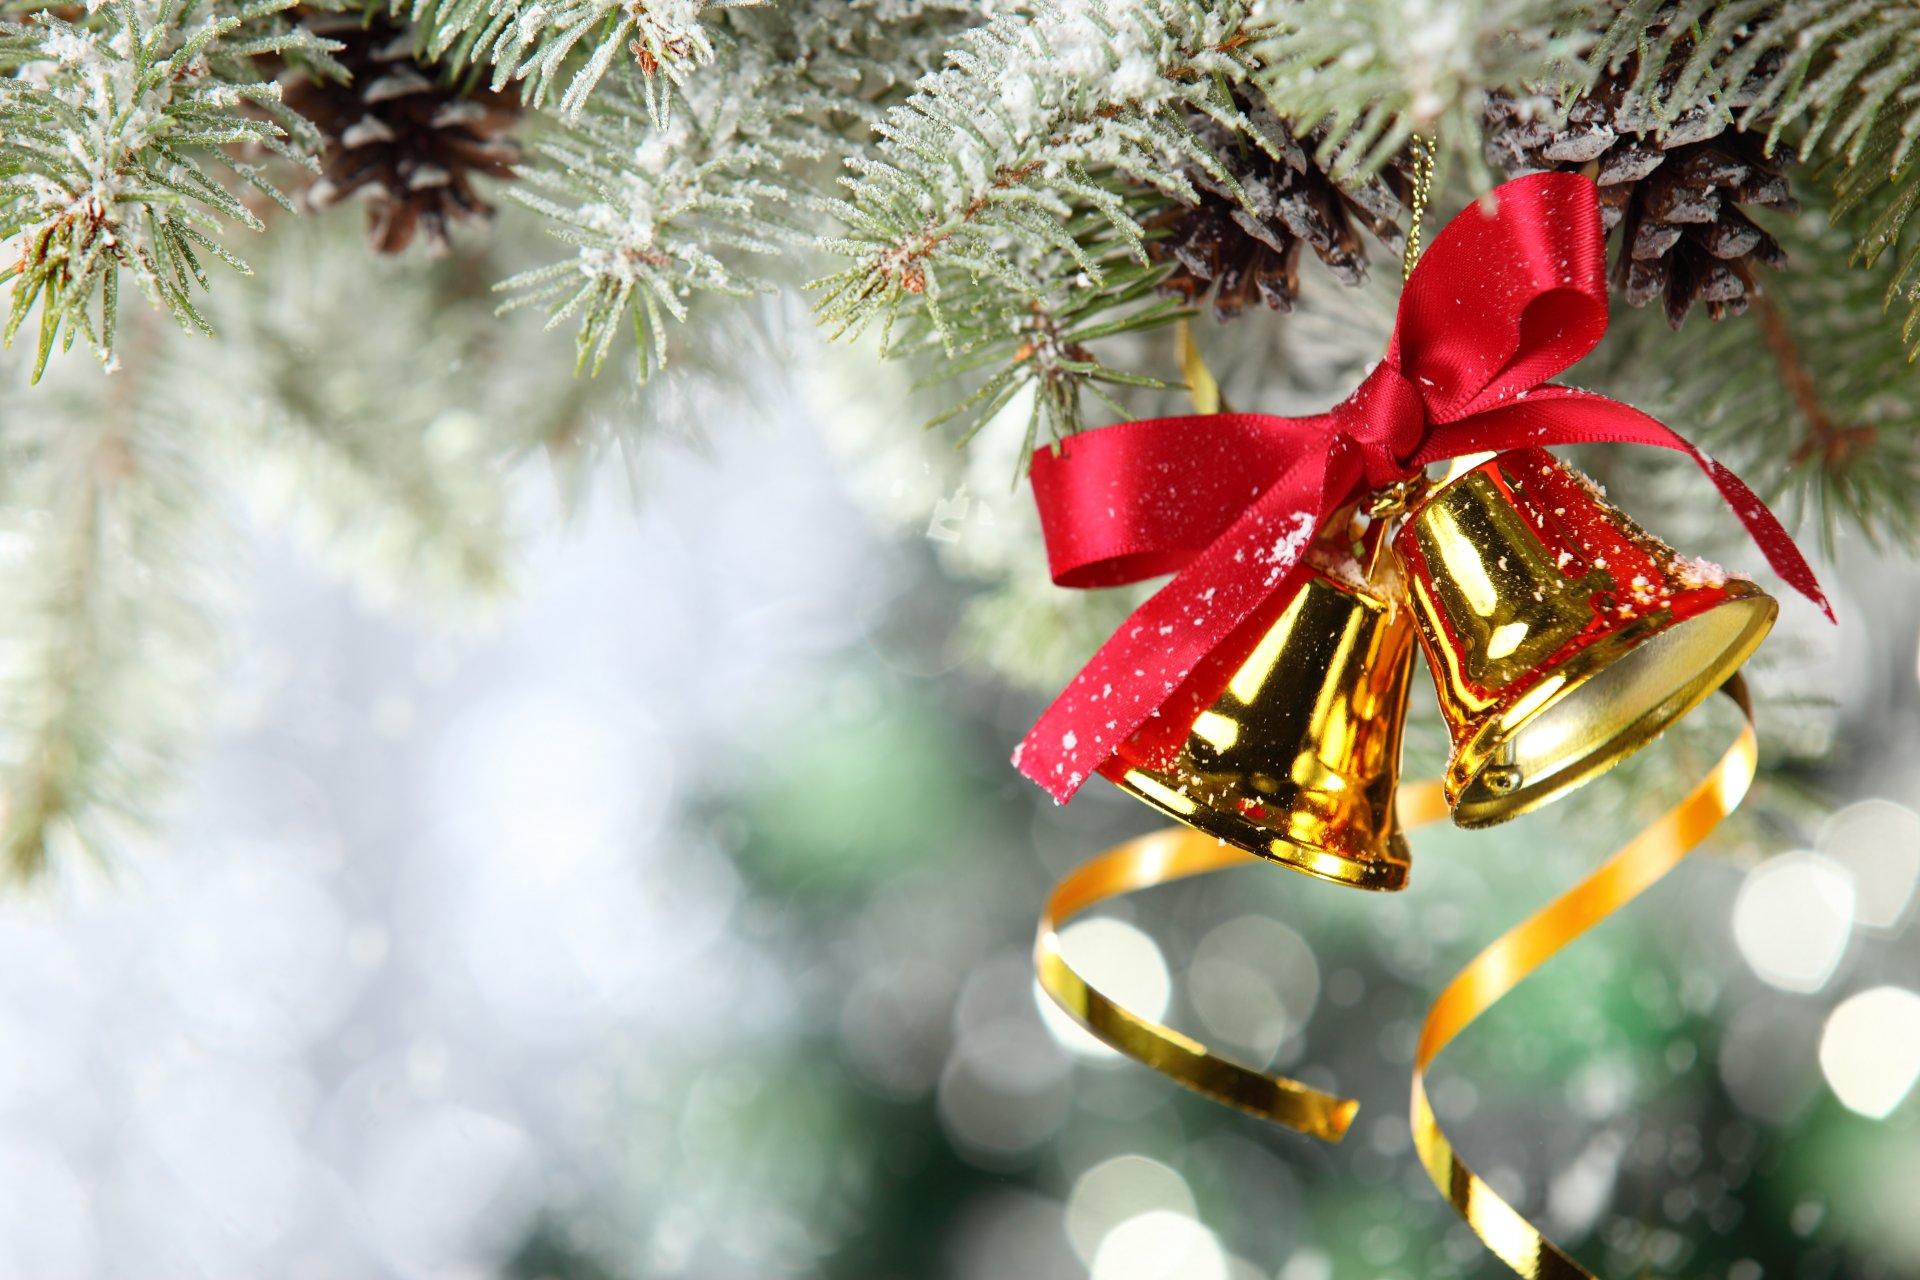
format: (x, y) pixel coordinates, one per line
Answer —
(1178, 853)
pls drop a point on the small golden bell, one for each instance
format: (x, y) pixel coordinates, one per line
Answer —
(1562, 636)
(1298, 758)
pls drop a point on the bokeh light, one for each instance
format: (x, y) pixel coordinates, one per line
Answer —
(255, 953)
(1870, 1051)
(1006, 1087)
(1254, 983)
(1121, 961)
(1878, 842)
(436, 1173)
(1308, 1264)
(545, 770)
(1793, 918)
(1767, 1058)
(1117, 1190)
(1160, 1245)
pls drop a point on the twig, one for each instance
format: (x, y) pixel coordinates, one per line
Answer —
(1833, 442)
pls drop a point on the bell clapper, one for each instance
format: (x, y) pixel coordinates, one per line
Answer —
(1560, 635)
(1502, 774)
(1377, 520)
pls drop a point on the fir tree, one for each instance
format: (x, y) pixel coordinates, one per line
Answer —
(991, 192)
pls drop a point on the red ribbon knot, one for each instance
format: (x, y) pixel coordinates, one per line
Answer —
(1512, 292)
(1387, 418)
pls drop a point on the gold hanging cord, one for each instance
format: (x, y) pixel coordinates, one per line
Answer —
(1422, 149)
(1180, 852)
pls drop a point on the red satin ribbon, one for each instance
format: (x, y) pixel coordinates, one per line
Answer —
(1512, 292)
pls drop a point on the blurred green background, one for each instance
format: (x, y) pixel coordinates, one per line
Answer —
(674, 920)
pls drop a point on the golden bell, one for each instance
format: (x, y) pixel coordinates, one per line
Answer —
(1562, 636)
(1298, 758)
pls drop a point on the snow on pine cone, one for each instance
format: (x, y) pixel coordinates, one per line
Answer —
(408, 144)
(1673, 187)
(1243, 251)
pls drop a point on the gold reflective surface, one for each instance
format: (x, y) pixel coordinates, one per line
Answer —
(1628, 872)
(1509, 604)
(1171, 855)
(1561, 636)
(1298, 759)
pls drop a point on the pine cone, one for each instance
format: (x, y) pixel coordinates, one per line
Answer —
(1219, 245)
(410, 144)
(1674, 192)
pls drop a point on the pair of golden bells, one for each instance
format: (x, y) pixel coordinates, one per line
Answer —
(1562, 637)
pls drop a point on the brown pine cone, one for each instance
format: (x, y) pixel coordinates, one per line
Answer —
(1674, 192)
(408, 144)
(1219, 245)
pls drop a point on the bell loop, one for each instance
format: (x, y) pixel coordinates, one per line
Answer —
(1398, 498)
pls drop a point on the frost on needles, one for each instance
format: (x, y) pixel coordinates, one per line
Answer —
(668, 40)
(1035, 119)
(113, 133)
(703, 185)
(975, 183)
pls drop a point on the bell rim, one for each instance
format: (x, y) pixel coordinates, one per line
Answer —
(1472, 756)
(1386, 873)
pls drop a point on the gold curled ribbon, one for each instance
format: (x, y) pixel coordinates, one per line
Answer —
(1178, 853)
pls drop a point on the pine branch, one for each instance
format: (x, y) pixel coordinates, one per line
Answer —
(1362, 81)
(1875, 195)
(1040, 343)
(1819, 74)
(680, 214)
(381, 415)
(106, 644)
(1829, 428)
(862, 51)
(1838, 79)
(114, 136)
(665, 40)
(1035, 122)
(383, 475)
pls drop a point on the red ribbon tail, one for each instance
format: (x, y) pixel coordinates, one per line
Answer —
(1142, 668)
(1553, 414)
(1767, 533)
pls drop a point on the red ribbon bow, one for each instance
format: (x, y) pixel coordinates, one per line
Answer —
(1512, 292)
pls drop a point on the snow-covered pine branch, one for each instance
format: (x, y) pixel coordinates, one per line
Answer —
(1817, 74)
(107, 642)
(1837, 80)
(1038, 117)
(393, 465)
(867, 50)
(114, 131)
(1364, 76)
(1044, 346)
(1811, 393)
(535, 40)
(658, 212)
(663, 205)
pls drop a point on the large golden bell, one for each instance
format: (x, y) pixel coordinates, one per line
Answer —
(1297, 759)
(1562, 636)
